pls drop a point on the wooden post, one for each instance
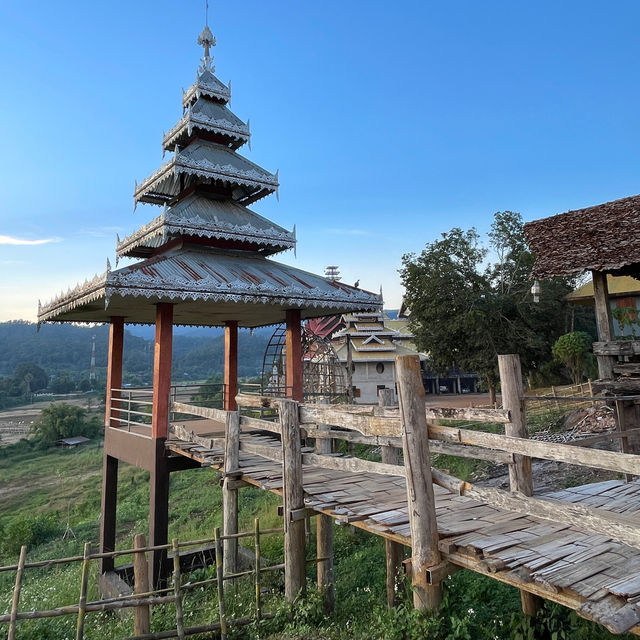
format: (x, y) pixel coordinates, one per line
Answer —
(177, 589)
(258, 561)
(108, 511)
(293, 346)
(520, 477)
(230, 495)
(84, 583)
(324, 536)
(293, 498)
(16, 593)
(349, 370)
(141, 614)
(222, 609)
(230, 365)
(114, 370)
(603, 321)
(425, 558)
(159, 489)
(394, 551)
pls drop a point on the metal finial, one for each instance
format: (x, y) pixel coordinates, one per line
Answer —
(207, 40)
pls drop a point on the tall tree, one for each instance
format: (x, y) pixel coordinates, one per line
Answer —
(465, 311)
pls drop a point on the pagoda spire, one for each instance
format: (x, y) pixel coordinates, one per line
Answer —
(206, 39)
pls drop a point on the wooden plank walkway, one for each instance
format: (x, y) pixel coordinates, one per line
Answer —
(593, 574)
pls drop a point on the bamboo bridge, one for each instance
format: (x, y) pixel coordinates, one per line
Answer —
(579, 547)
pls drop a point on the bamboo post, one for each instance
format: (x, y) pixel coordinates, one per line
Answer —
(16, 593)
(141, 614)
(520, 477)
(604, 321)
(324, 537)
(220, 581)
(84, 582)
(177, 592)
(230, 495)
(394, 551)
(257, 570)
(425, 559)
(293, 499)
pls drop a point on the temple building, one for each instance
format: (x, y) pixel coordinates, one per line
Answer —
(205, 260)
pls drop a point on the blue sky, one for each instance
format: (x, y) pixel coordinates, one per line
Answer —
(389, 122)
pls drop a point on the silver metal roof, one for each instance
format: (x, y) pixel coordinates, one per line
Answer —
(206, 115)
(208, 288)
(208, 85)
(200, 216)
(212, 162)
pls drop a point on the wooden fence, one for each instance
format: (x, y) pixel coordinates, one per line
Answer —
(142, 597)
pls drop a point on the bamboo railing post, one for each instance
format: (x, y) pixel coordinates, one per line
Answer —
(16, 593)
(220, 582)
(520, 477)
(426, 562)
(394, 551)
(257, 570)
(293, 499)
(324, 536)
(177, 589)
(230, 495)
(141, 615)
(84, 582)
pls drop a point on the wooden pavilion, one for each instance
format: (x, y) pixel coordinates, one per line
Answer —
(204, 261)
(605, 240)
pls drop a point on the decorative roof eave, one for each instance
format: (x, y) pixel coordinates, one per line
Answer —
(191, 121)
(222, 93)
(165, 227)
(256, 179)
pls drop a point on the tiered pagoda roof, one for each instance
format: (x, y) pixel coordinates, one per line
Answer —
(206, 252)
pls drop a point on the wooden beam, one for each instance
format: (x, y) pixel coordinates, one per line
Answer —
(219, 415)
(603, 320)
(324, 539)
(109, 502)
(114, 369)
(293, 498)
(420, 496)
(394, 552)
(230, 364)
(162, 370)
(229, 494)
(293, 346)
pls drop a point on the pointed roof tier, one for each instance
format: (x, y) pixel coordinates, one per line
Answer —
(205, 253)
(208, 117)
(203, 162)
(209, 288)
(198, 216)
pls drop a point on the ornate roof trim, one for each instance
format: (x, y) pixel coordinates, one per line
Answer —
(254, 176)
(206, 86)
(192, 120)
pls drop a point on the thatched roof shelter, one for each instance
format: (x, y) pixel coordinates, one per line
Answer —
(604, 238)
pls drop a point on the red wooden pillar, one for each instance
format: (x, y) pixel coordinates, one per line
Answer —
(230, 365)
(159, 489)
(110, 464)
(293, 345)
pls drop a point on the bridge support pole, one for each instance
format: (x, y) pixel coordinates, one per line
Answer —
(324, 538)
(394, 551)
(110, 464)
(426, 562)
(293, 498)
(293, 346)
(159, 489)
(520, 477)
(230, 365)
(230, 495)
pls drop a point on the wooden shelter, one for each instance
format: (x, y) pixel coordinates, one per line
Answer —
(605, 240)
(203, 261)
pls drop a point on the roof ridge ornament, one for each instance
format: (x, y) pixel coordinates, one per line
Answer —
(206, 39)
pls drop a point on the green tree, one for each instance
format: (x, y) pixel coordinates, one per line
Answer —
(30, 377)
(465, 312)
(572, 349)
(62, 420)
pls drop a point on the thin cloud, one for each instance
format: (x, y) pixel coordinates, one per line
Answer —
(22, 242)
(99, 232)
